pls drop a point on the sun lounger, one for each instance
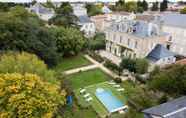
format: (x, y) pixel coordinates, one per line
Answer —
(117, 86)
(120, 89)
(89, 99)
(111, 83)
(86, 95)
(82, 91)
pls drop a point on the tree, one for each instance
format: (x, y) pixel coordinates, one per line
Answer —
(141, 66)
(64, 16)
(171, 81)
(27, 96)
(23, 31)
(155, 6)
(93, 10)
(140, 8)
(164, 5)
(183, 11)
(129, 64)
(69, 41)
(130, 6)
(22, 63)
(145, 5)
(97, 43)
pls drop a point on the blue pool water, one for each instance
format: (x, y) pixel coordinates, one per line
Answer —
(108, 100)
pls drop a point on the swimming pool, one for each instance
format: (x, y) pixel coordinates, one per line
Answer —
(111, 103)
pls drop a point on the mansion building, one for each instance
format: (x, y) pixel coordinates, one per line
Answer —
(134, 38)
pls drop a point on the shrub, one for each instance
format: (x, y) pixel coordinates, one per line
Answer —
(96, 56)
(118, 80)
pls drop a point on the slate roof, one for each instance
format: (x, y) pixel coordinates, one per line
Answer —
(84, 19)
(172, 109)
(176, 20)
(41, 9)
(158, 53)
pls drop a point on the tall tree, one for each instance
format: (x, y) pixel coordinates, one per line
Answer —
(155, 6)
(64, 16)
(27, 96)
(69, 41)
(23, 31)
(145, 5)
(93, 9)
(164, 5)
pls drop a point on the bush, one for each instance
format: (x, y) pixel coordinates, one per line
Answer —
(118, 80)
(97, 43)
(96, 56)
(183, 11)
(141, 66)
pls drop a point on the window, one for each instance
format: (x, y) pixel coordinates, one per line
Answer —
(114, 37)
(136, 44)
(128, 42)
(120, 40)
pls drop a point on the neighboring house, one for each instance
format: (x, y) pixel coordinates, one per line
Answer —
(99, 21)
(104, 21)
(172, 109)
(134, 39)
(79, 9)
(106, 10)
(120, 16)
(161, 56)
(42, 12)
(87, 26)
(175, 24)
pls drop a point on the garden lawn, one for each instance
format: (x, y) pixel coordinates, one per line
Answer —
(83, 79)
(95, 103)
(72, 62)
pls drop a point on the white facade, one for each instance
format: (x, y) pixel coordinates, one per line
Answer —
(89, 29)
(178, 39)
(120, 16)
(79, 9)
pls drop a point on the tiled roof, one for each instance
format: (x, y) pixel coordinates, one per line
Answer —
(158, 53)
(172, 109)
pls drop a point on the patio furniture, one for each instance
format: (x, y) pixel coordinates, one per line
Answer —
(116, 86)
(82, 91)
(86, 95)
(89, 99)
(120, 89)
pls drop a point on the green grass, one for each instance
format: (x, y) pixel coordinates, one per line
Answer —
(83, 79)
(71, 63)
(95, 103)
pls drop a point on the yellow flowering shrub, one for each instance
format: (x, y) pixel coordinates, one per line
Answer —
(27, 96)
(12, 62)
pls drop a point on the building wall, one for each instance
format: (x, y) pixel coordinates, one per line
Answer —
(178, 39)
(123, 44)
(89, 29)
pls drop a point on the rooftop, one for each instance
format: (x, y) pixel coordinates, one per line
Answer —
(174, 19)
(84, 19)
(172, 109)
(158, 53)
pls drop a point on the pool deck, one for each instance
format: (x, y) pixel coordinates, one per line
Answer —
(97, 105)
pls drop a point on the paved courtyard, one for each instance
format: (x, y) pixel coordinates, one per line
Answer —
(110, 56)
